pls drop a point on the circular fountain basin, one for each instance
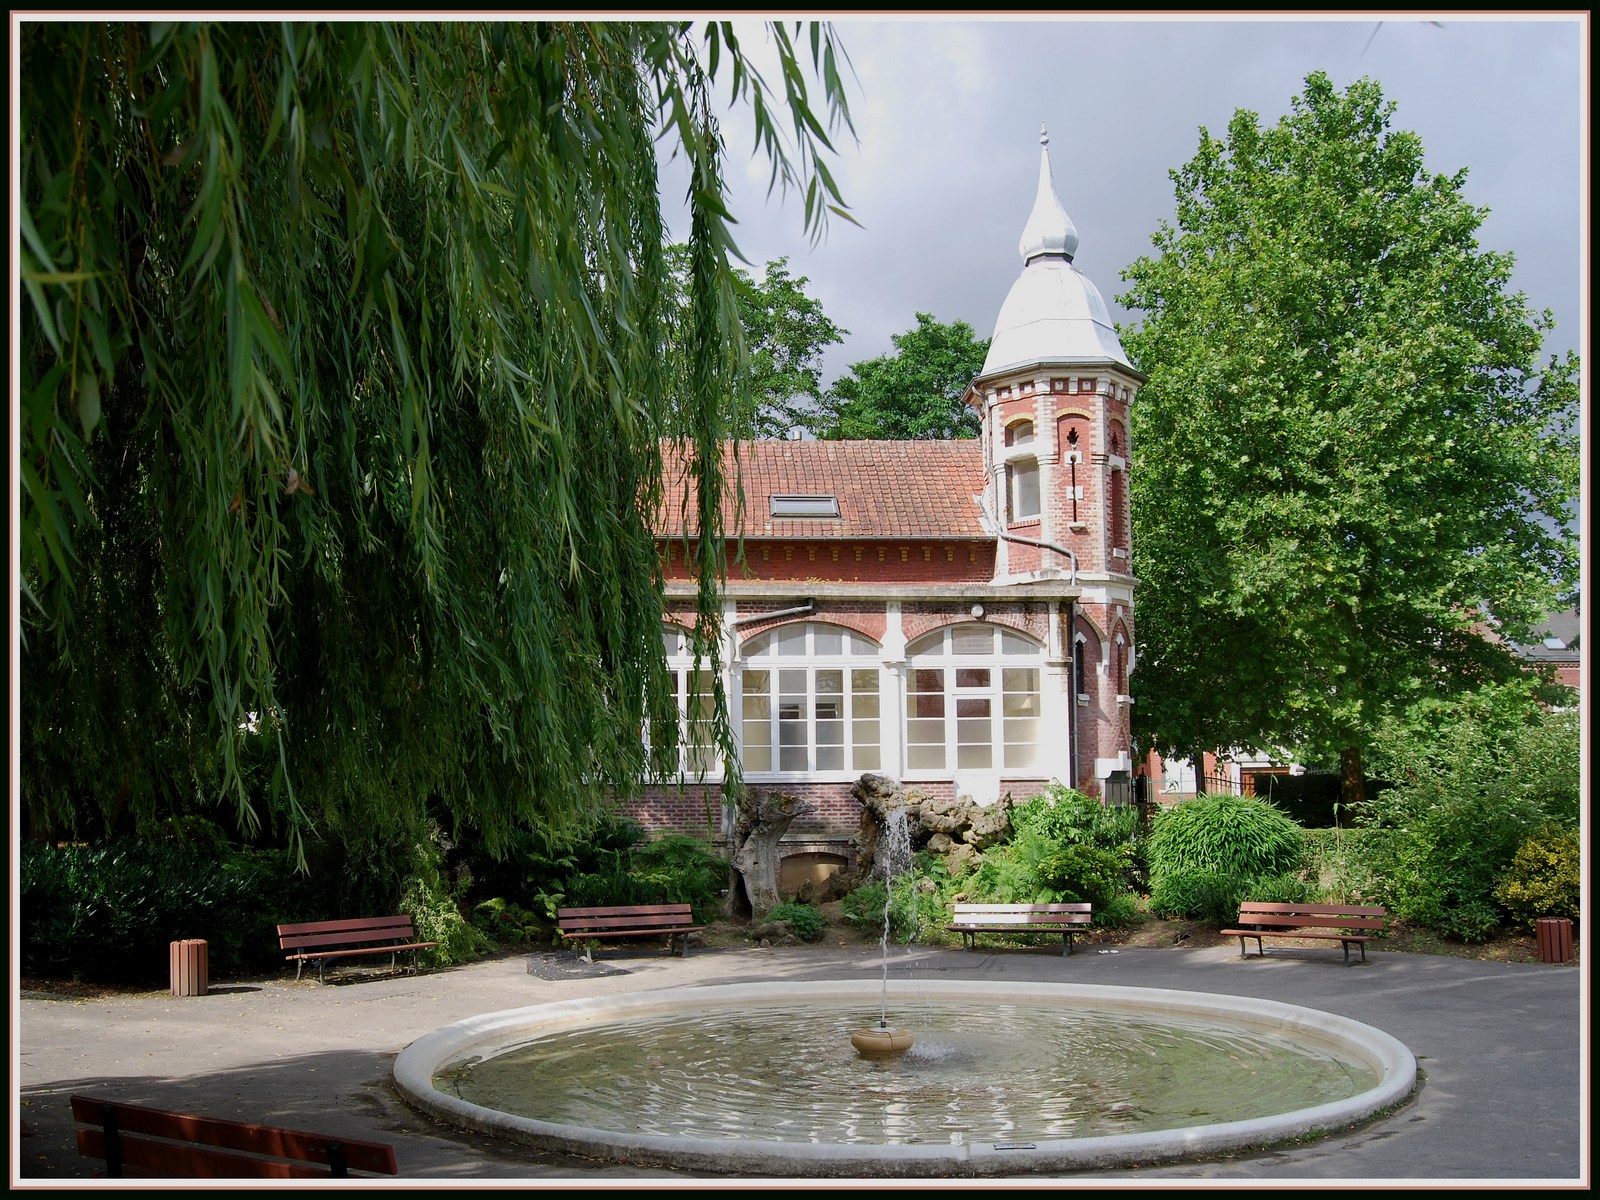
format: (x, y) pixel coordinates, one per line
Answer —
(436, 1075)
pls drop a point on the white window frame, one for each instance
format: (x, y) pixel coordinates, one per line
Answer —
(789, 655)
(698, 761)
(1012, 651)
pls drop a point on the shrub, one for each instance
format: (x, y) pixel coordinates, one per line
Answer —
(1341, 864)
(107, 912)
(1234, 835)
(1082, 874)
(506, 923)
(1544, 877)
(683, 870)
(806, 920)
(1120, 912)
(909, 910)
(435, 907)
(1279, 889)
(1198, 893)
(1065, 816)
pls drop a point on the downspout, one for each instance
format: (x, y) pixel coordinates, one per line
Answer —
(993, 527)
(754, 618)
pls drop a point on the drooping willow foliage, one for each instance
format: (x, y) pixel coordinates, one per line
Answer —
(343, 389)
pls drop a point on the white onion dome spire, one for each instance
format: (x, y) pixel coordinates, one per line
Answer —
(1049, 230)
(1053, 313)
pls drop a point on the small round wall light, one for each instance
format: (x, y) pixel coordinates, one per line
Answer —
(977, 612)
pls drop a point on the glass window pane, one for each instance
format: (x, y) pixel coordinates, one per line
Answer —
(926, 681)
(1015, 643)
(1021, 704)
(972, 639)
(973, 707)
(971, 731)
(863, 733)
(792, 641)
(972, 677)
(827, 643)
(792, 758)
(1020, 679)
(757, 707)
(1024, 490)
(865, 706)
(974, 758)
(1020, 730)
(669, 641)
(932, 646)
(757, 681)
(830, 683)
(856, 644)
(863, 680)
(1022, 756)
(830, 758)
(866, 758)
(757, 758)
(925, 706)
(925, 758)
(829, 708)
(791, 683)
(760, 644)
(925, 733)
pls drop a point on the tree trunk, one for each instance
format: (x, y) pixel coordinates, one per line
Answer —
(1352, 779)
(764, 817)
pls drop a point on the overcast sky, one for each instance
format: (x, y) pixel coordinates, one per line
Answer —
(948, 114)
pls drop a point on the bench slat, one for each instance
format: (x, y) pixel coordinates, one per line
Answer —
(1309, 922)
(347, 937)
(1067, 919)
(214, 1148)
(595, 922)
(384, 949)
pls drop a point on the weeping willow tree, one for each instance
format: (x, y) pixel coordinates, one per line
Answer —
(342, 402)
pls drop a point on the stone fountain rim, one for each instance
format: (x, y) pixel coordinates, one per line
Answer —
(485, 1034)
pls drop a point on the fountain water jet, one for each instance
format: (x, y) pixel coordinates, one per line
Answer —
(893, 853)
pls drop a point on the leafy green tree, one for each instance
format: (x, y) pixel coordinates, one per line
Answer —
(784, 333)
(1346, 459)
(342, 401)
(914, 393)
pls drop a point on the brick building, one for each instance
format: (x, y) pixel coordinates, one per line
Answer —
(956, 615)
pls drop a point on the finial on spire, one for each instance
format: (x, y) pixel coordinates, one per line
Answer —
(1049, 230)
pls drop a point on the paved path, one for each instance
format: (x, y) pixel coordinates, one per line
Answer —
(1501, 1049)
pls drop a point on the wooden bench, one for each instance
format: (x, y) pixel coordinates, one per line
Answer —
(1324, 922)
(969, 920)
(148, 1142)
(320, 941)
(601, 923)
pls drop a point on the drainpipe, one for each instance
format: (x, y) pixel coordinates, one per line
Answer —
(994, 527)
(808, 606)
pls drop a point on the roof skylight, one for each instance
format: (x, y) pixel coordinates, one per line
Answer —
(805, 506)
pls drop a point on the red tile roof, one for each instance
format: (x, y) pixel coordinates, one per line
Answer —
(885, 489)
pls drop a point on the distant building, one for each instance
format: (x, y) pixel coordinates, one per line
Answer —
(957, 615)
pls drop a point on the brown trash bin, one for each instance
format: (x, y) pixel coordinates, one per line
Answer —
(190, 966)
(1555, 938)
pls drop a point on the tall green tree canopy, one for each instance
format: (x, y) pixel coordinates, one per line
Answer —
(1347, 457)
(913, 393)
(784, 334)
(341, 405)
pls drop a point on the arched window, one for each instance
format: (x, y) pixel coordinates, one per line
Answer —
(812, 701)
(972, 700)
(1019, 433)
(697, 742)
